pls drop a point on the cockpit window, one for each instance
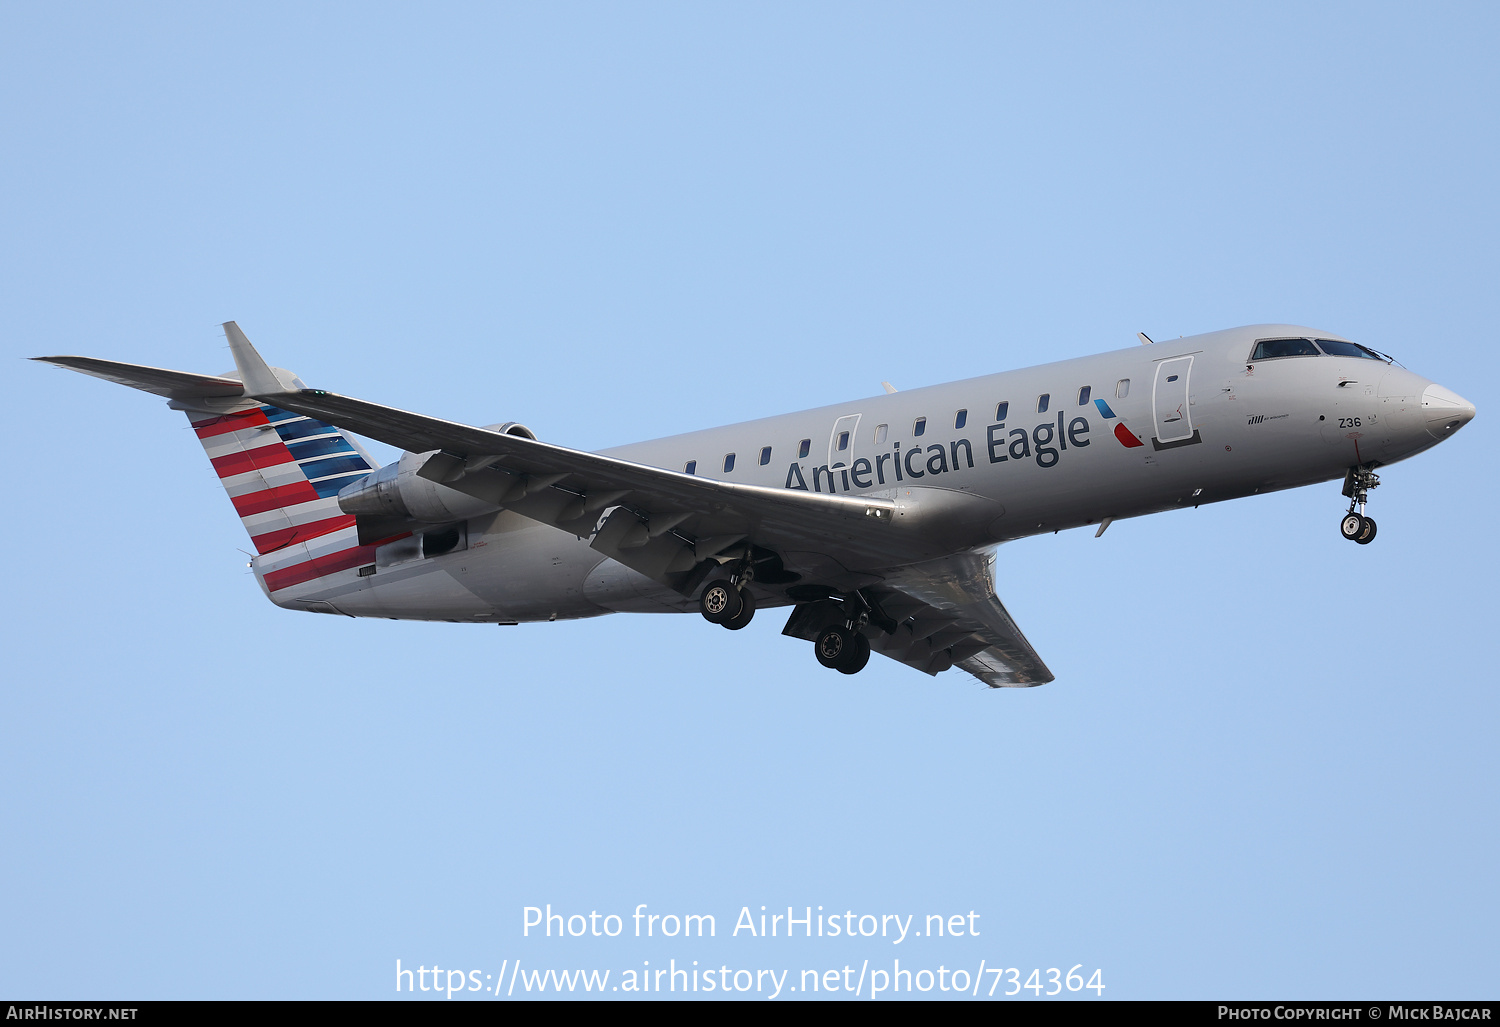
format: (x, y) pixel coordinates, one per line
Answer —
(1346, 349)
(1270, 349)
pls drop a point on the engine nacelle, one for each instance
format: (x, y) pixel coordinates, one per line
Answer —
(515, 428)
(396, 490)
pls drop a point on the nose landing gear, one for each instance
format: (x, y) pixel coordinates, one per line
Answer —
(1355, 526)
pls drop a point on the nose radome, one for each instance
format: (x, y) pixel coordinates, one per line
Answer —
(1445, 411)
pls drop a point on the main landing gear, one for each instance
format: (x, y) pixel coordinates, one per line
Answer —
(842, 645)
(1355, 526)
(842, 648)
(727, 603)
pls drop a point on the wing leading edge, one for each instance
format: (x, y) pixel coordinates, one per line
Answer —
(662, 523)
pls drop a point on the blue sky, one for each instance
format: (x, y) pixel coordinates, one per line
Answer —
(1267, 767)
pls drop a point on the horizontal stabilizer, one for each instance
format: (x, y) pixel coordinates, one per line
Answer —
(156, 380)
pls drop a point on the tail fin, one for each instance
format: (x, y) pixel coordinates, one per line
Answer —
(282, 471)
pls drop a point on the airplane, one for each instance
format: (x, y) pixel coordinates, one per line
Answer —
(875, 520)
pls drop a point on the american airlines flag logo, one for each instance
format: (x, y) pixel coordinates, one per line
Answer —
(283, 472)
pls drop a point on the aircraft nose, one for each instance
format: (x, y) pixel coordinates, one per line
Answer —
(1445, 411)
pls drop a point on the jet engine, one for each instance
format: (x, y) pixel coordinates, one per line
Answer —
(398, 491)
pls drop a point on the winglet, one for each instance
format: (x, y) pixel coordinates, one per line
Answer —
(255, 373)
(1145, 339)
(889, 388)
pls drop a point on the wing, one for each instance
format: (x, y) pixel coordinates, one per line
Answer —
(670, 527)
(936, 615)
(962, 589)
(664, 524)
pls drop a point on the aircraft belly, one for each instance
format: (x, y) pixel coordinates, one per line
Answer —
(616, 587)
(514, 569)
(531, 571)
(424, 592)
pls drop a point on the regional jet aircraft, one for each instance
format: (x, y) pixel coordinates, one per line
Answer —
(875, 520)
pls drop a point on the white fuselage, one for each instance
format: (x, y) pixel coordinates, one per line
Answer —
(980, 459)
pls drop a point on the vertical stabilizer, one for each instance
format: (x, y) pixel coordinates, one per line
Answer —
(282, 471)
(256, 375)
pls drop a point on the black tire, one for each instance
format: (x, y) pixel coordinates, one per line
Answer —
(856, 656)
(720, 601)
(831, 645)
(1351, 526)
(747, 611)
(1368, 534)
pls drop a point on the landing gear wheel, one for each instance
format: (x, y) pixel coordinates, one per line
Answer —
(1355, 526)
(856, 656)
(842, 649)
(747, 610)
(832, 644)
(721, 602)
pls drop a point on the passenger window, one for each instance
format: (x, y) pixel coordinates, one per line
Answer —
(1345, 349)
(920, 426)
(1122, 388)
(880, 430)
(804, 448)
(728, 462)
(843, 441)
(765, 455)
(691, 467)
(1271, 349)
(1083, 395)
(1002, 410)
(960, 419)
(1042, 401)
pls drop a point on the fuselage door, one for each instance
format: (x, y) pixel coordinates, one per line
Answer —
(1169, 400)
(841, 443)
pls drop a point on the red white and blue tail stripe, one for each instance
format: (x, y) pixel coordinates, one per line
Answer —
(283, 472)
